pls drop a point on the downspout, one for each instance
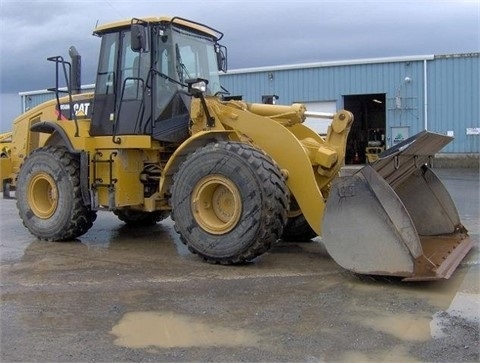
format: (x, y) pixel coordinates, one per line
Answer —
(425, 95)
(22, 103)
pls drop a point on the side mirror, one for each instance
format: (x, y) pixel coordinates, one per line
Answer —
(221, 51)
(138, 41)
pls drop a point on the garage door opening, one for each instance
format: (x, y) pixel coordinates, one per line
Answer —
(367, 136)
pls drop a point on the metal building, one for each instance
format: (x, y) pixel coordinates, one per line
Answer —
(391, 98)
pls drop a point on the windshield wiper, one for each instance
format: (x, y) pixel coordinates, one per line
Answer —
(181, 69)
(168, 78)
(223, 92)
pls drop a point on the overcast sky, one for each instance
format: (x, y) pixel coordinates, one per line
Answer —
(257, 33)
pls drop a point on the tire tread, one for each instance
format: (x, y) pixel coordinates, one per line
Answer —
(82, 217)
(275, 206)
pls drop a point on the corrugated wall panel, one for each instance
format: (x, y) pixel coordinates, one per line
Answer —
(452, 85)
(332, 83)
(454, 98)
(35, 98)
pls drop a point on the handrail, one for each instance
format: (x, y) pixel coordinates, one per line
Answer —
(59, 59)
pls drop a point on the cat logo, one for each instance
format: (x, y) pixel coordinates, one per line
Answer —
(81, 109)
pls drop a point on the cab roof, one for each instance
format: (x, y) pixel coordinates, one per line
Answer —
(105, 28)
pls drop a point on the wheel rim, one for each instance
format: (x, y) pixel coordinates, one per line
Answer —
(43, 195)
(216, 204)
(294, 213)
(294, 210)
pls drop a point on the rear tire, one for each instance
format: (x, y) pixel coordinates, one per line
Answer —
(229, 202)
(297, 228)
(140, 218)
(49, 198)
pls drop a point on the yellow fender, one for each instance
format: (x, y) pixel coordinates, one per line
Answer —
(194, 142)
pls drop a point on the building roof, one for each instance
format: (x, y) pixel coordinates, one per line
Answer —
(351, 62)
(332, 64)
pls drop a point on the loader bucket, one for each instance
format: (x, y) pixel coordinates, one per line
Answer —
(395, 217)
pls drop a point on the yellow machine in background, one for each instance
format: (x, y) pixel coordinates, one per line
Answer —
(160, 136)
(5, 162)
(375, 144)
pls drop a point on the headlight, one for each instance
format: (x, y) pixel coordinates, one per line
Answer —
(200, 86)
(197, 86)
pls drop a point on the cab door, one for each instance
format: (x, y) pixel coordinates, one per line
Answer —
(122, 98)
(103, 116)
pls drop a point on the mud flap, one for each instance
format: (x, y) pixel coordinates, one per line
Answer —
(395, 217)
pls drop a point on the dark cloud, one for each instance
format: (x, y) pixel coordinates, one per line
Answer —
(317, 31)
(257, 33)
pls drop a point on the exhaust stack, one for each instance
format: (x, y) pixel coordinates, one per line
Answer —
(76, 70)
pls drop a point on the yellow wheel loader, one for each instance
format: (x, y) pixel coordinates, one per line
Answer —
(159, 136)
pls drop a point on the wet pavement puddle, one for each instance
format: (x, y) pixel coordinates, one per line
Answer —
(447, 296)
(397, 354)
(403, 326)
(168, 330)
(464, 306)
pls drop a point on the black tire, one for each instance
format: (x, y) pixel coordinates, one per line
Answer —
(136, 218)
(49, 198)
(297, 228)
(229, 202)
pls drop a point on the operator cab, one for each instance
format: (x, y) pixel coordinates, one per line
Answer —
(143, 71)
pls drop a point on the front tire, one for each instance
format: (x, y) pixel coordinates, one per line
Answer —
(229, 202)
(49, 198)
